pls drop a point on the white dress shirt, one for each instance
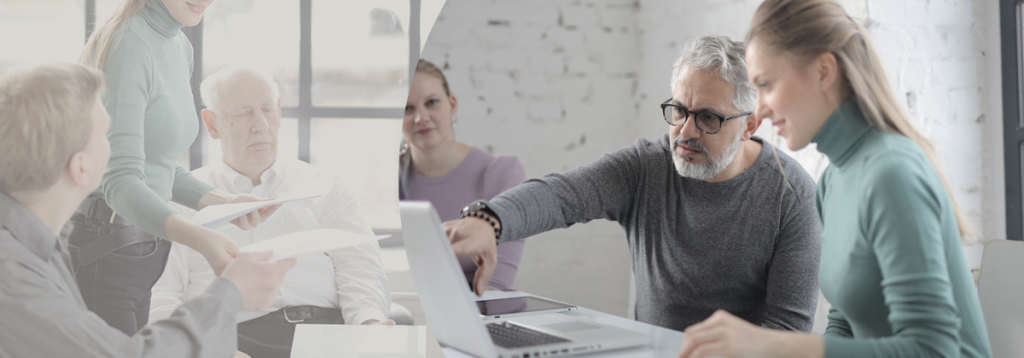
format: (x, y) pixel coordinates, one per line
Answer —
(351, 279)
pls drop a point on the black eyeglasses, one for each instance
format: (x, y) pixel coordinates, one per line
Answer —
(707, 122)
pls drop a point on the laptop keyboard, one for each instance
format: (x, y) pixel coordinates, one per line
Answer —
(508, 335)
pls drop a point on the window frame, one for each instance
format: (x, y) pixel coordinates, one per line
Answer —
(1012, 58)
(305, 111)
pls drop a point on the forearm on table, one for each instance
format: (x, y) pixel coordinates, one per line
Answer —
(363, 289)
(797, 345)
(369, 316)
(837, 325)
(886, 347)
(359, 303)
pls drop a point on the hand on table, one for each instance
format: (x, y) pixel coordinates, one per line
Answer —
(240, 354)
(373, 322)
(475, 237)
(726, 335)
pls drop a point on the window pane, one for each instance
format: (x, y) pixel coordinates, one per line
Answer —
(360, 52)
(365, 153)
(1020, 69)
(263, 34)
(287, 142)
(105, 9)
(27, 24)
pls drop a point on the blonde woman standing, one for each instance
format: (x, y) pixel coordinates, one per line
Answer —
(117, 242)
(892, 261)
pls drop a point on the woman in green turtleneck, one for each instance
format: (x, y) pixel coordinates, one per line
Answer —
(116, 240)
(892, 261)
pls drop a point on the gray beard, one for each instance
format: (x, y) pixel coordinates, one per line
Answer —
(709, 169)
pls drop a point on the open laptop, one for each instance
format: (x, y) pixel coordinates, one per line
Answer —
(455, 319)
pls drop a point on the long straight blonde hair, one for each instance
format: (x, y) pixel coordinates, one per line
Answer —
(98, 46)
(806, 29)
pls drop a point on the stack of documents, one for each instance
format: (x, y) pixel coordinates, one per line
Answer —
(218, 216)
(351, 341)
(285, 246)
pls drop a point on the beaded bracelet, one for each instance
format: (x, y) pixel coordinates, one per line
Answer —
(484, 216)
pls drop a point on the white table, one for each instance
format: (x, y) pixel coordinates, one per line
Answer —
(344, 341)
(664, 342)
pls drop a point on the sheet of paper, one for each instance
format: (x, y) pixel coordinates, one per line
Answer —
(216, 216)
(312, 241)
(336, 340)
(450, 352)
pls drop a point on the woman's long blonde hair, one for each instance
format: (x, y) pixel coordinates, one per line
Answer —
(98, 45)
(806, 29)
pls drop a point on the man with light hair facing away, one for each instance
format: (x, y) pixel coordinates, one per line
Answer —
(53, 151)
(347, 286)
(712, 220)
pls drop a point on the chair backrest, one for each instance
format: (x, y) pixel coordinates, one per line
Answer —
(1001, 291)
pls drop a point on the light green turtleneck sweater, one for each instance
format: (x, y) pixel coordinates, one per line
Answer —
(892, 263)
(153, 120)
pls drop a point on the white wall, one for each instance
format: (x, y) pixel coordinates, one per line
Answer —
(559, 83)
(553, 83)
(944, 56)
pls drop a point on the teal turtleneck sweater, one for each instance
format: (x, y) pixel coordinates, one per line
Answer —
(892, 263)
(153, 120)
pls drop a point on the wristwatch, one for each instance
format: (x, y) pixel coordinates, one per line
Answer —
(479, 209)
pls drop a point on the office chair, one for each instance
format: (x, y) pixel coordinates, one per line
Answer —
(1001, 291)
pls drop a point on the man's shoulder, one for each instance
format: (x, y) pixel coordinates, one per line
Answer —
(660, 145)
(657, 148)
(11, 248)
(16, 260)
(647, 156)
(795, 173)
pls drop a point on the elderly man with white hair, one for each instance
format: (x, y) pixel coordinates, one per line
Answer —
(714, 219)
(348, 286)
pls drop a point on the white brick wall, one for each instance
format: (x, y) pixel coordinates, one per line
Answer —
(557, 83)
(541, 79)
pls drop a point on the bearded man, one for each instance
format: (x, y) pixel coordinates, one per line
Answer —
(714, 219)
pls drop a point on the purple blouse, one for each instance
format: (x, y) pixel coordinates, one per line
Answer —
(481, 176)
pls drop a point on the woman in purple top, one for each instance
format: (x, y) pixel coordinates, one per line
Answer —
(449, 174)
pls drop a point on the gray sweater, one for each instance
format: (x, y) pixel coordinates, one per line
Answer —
(748, 245)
